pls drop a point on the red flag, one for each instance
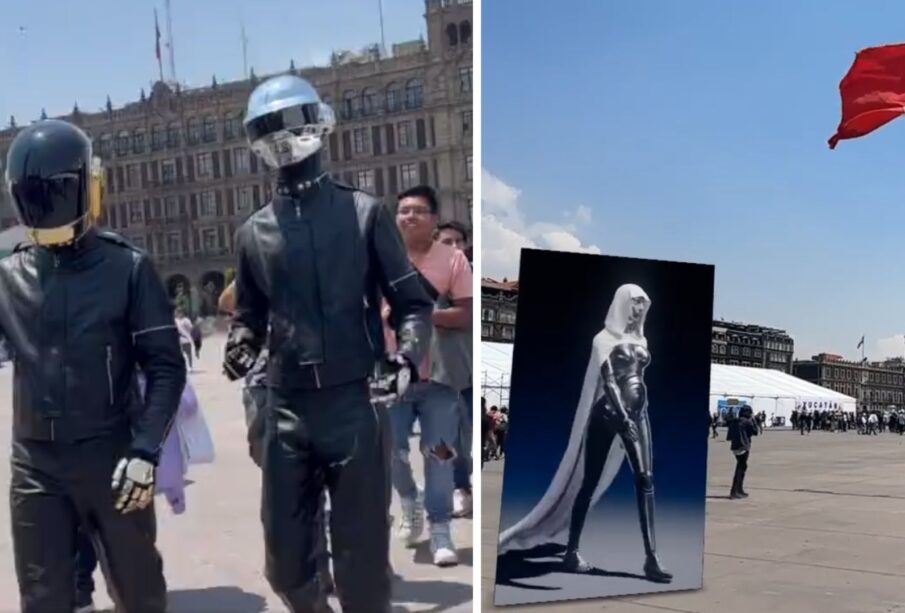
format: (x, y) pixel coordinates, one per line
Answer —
(157, 32)
(873, 92)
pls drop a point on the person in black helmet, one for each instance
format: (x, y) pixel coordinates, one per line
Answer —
(81, 308)
(312, 268)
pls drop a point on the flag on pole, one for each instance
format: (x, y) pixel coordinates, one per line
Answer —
(873, 92)
(861, 344)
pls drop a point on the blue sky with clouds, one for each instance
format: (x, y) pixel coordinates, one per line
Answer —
(81, 51)
(697, 131)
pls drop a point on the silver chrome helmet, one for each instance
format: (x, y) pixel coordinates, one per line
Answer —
(286, 121)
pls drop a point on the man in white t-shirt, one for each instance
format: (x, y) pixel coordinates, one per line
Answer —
(185, 327)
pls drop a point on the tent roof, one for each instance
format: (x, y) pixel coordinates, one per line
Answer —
(496, 360)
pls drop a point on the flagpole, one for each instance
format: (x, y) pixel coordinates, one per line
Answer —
(157, 45)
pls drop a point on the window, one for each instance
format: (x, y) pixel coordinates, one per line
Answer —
(231, 127)
(210, 240)
(138, 141)
(468, 166)
(487, 314)
(122, 143)
(171, 207)
(168, 172)
(365, 180)
(132, 177)
(361, 140)
(414, 92)
(405, 131)
(174, 243)
(507, 317)
(210, 129)
(452, 35)
(485, 330)
(465, 32)
(244, 203)
(408, 175)
(466, 122)
(136, 212)
(369, 101)
(205, 165)
(156, 138)
(208, 204)
(193, 131)
(240, 160)
(106, 146)
(746, 351)
(351, 105)
(465, 79)
(757, 353)
(394, 98)
(733, 350)
(507, 332)
(173, 136)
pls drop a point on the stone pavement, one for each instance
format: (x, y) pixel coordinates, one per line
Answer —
(823, 531)
(214, 554)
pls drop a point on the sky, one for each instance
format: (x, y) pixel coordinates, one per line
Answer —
(56, 52)
(697, 131)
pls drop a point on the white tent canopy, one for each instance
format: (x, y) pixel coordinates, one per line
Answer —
(775, 393)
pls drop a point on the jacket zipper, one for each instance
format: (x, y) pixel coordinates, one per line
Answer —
(110, 372)
(364, 320)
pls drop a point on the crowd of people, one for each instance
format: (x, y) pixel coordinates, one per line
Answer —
(494, 426)
(864, 422)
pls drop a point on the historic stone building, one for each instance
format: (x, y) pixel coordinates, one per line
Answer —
(180, 178)
(498, 302)
(876, 385)
(741, 344)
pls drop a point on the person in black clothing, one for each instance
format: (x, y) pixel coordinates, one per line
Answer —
(81, 309)
(486, 430)
(714, 422)
(741, 429)
(313, 268)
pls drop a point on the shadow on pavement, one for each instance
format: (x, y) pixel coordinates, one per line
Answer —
(515, 565)
(441, 595)
(223, 599)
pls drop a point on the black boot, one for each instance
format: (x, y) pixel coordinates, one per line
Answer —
(653, 570)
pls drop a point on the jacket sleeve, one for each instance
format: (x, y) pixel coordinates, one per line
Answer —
(410, 305)
(156, 345)
(252, 307)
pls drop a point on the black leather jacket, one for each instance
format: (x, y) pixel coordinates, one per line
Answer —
(315, 268)
(78, 321)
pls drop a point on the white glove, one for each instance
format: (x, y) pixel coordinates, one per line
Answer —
(392, 383)
(133, 484)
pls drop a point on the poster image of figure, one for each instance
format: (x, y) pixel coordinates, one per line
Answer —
(606, 465)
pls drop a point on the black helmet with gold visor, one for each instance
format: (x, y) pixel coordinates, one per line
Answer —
(55, 184)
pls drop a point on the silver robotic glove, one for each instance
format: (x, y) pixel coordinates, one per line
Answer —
(133, 484)
(393, 378)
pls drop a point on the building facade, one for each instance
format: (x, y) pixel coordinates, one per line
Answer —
(739, 344)
(498, 305)
(180, 178)
(877, 386)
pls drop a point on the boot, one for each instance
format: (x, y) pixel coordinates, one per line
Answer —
(653, 570)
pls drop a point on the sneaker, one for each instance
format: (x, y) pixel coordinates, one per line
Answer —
(412, 524)
(462, 503)
(442, 547)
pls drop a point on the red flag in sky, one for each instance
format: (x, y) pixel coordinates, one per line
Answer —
(873, 92)
(157, 32)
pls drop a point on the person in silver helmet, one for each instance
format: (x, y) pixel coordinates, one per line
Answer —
(81, 309)
(312, 268)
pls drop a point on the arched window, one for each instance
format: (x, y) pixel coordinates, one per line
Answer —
(465, 32)
(193, 131)
(122, 143)
(138, 141)
(351, 104)
(210, 129)
(156, 138)
(369, 101)
(394, 97)
(452, 35)
(173, 136)
(414, 92)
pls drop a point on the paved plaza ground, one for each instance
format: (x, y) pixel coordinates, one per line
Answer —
(823, 531)
(214, 554)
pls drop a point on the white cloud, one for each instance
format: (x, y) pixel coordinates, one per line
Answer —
(505, 230)
(583, 214)
(889, 347)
